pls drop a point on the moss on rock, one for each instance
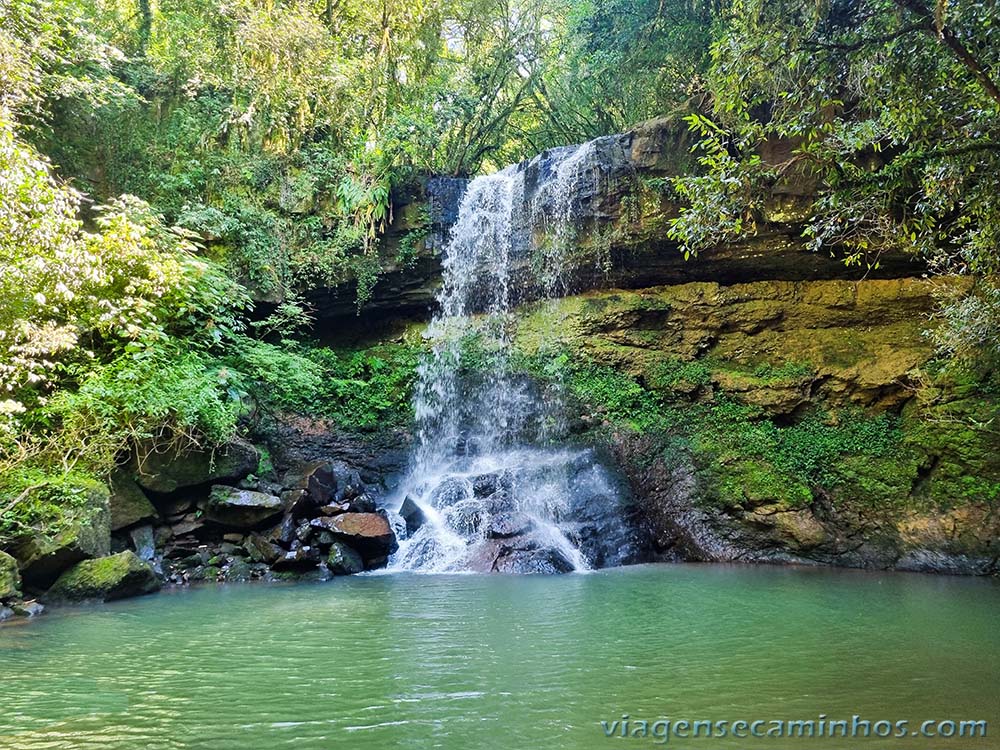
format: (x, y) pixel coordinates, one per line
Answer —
(10, 578)
(105, 579)
(75, 518)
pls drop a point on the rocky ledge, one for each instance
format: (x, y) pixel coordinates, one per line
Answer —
(192, 516)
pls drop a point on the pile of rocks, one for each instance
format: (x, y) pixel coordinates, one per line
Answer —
(193, 516)
(320, 520)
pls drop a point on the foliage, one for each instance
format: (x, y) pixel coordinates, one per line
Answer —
(888, 112)
(89, 320)
(46, 503)
(746, 450)
(366, 388)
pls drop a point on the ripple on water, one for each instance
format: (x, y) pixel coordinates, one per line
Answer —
(420, 661)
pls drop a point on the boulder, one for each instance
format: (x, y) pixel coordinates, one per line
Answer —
(175, 506)
(128, 504)
(144, 542)
(302, 558)
(105, 579)
(298, 502)
(10, 578)
(27, 609)
(505, 525)
(85, 534)
(173, 470)
(242, 509)
(368, 533)
(261, 550)
(344, 561)
(545, 560)
(283, 533)
(187, 524)
(315, 478)
(238, 571)
(363, 503)
(412, 515)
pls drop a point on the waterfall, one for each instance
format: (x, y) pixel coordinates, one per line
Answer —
(489, 487)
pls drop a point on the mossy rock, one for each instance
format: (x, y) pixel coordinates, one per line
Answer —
(129, 506)
(86, 534)
(241, 509)
(115, 577)
(10, 578)
(343, 560)
(174, 470)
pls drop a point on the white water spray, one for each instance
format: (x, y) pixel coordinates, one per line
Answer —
(488, 488)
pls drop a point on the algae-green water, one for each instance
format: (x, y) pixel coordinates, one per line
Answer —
(472, 661)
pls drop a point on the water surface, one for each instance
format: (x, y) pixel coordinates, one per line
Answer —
(468, 661)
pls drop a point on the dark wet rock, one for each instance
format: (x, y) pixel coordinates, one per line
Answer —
(204, 573)
(467, 516)
(87, 535)
(298, 502)
(243, 509)
(937, 561)
(128, 504)
(10, 578)
(188, 524)
(115, 577)
(335, 509)
(197, 559)
(181, 549)
(505, 525)
(298, 559)
(303, 531)
(144, 542)
(316, 479)
(5, 612)
(282, 533)
(488, 484)
(261, 550)
(314, 574)
(449, 492)
(324, 539)
(173, 470)
(298, 440)
(412, 515)
(545, 560)
(343, 560)
(238, 571)
(172, 508)
(368, 533)
(363, 503)
(27, 609)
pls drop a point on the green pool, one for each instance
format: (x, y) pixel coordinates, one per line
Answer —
(470, 661)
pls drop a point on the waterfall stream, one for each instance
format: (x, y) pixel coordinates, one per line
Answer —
(490, 488)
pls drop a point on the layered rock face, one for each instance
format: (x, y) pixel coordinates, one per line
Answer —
(810, 420)
(621, 211)
(806, 420)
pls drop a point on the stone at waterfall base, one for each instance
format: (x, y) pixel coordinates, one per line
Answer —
(242, 509)
(412, 515)
(105, 579)
(368, 533)
(344, 561)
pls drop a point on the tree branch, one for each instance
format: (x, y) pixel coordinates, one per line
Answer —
(947, 37)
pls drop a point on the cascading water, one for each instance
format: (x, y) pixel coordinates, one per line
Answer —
(486, 489)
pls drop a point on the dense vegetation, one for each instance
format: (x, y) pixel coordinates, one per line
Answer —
(165, 165)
